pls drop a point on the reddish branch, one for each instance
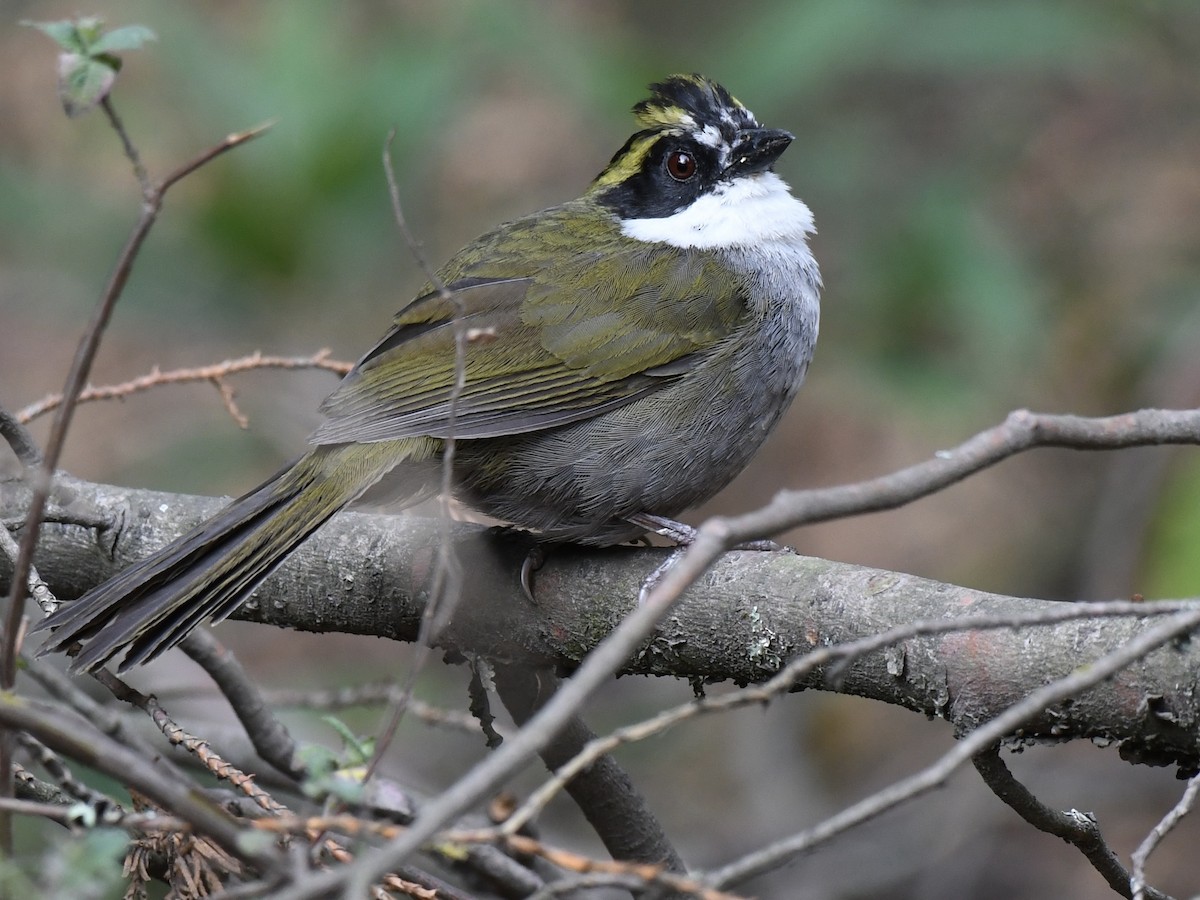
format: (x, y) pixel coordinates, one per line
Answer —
(215, 374)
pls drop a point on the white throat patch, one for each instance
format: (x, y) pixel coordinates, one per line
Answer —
(748, 211)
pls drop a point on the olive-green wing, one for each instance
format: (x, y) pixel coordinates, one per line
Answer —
(575, 340)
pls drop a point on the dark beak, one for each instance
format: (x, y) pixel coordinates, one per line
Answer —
(758, 149)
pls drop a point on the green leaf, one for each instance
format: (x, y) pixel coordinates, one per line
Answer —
(357, 750)
(63, 32)
(317, 759)
(88, 66)
(130, 37)
(83, 81)
(348, 789)
(89, 29)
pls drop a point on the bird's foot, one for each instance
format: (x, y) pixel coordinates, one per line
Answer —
(653, 580)
(677, 532)
(684, 535)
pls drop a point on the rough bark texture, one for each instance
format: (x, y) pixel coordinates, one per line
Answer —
(748, 616)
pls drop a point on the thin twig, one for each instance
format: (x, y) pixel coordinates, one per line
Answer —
(72, 737)
(646, 874)
(221, 769)
(269, 736)
(38, 589)
(369, 694)
(1079, 829)
(605, 794)
(105, 718)
(447, 580)
(1137, 886)
(63, 814)
(152, 198)
(774, 855)
(213, 373)
(235, 139)
(127, 145)
(354, 826)
(19, 439)
(65, 779)
(197, 746)
(30, 787)
(1022, 430)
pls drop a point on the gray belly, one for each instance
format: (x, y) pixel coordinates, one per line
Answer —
(662, 453)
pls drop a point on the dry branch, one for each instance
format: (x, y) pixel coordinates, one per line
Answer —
(749, 615)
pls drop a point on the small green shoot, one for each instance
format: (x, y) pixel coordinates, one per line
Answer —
(88, 63)
(335, 774)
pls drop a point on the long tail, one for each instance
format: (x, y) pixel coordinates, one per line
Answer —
(151, 606)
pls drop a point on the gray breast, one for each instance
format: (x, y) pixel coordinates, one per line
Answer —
(672, 449)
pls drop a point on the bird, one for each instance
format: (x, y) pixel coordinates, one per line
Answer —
(600, 366)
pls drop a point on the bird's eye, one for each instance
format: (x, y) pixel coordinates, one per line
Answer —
(680, 165)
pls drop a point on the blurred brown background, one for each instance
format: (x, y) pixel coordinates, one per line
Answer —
(1008, 198)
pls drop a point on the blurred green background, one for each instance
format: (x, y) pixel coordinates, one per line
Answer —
(1008, 199)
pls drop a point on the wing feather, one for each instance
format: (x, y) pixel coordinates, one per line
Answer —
(553, 338)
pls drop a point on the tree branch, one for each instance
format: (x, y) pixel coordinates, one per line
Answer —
(1079, 829)
(798, 605)
(1022, 430)
(72, 737)
(603, 791)
(269, 736)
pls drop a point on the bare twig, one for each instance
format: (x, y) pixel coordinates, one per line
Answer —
(152, 198)
(447, 582)
(354, 826)
(220, 768)
(602, 790)
(72, 737)
(130, 150)
(30, 787)
(56, 812)
(980, 739)
(106, 718)
(1079, 829)
(1136, 886)
(1021, 431)
(644, 874)
(268, 735)
(19, 439)
(54, 766)
(38, 589)
(216, 374)
(370, 694)
(197, 746)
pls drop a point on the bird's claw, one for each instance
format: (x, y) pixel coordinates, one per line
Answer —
(533, 561)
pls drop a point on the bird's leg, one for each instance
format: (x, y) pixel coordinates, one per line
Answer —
(683, 536)
(652, 580)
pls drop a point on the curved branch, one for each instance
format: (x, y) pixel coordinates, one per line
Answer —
(1022, 430)
(749, 615)
(603, 791)
(1079, 829)
(72, 737)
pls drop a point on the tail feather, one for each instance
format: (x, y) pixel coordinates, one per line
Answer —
(151, 606)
